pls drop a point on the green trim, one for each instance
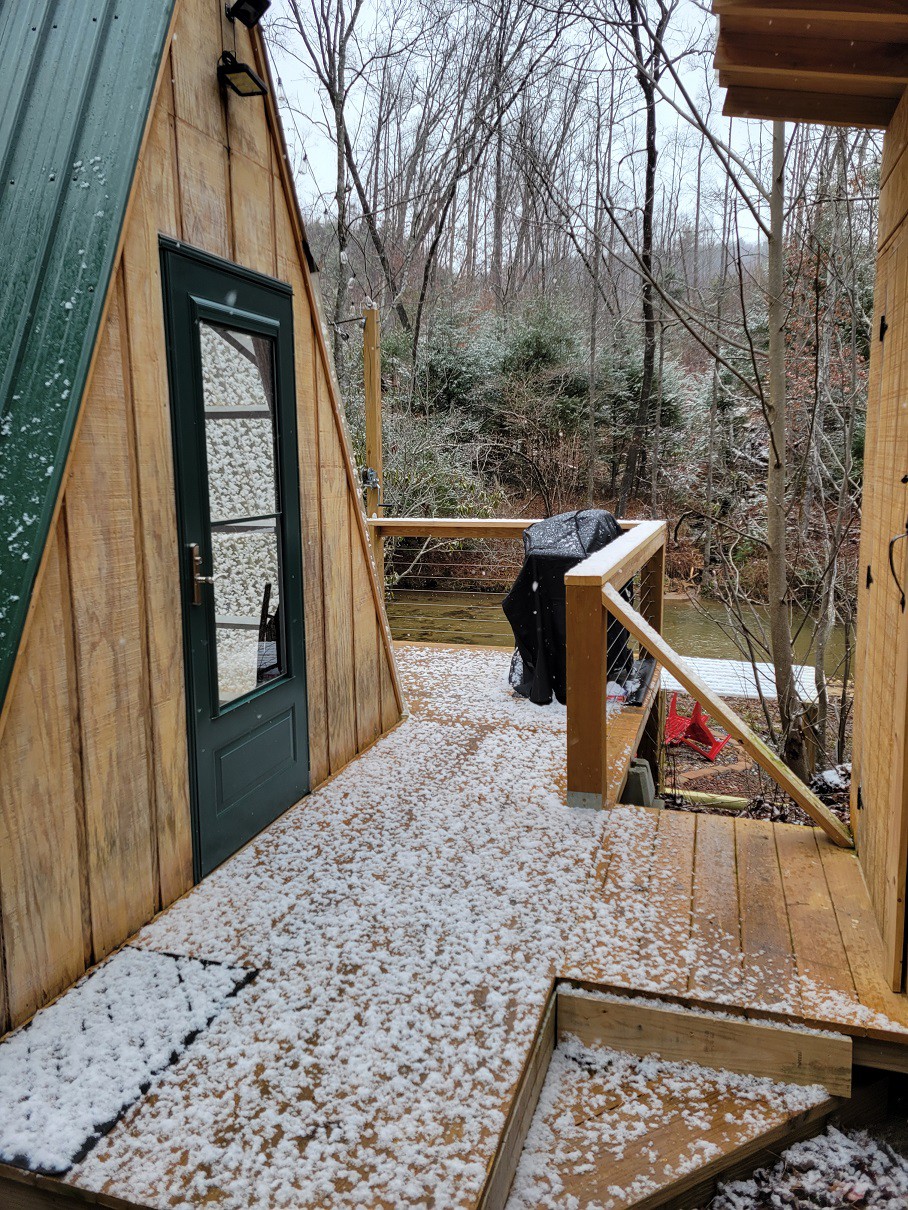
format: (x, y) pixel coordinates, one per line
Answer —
(76, 84)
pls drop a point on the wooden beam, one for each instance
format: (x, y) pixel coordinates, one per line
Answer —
(774, 61)
(503, 1167)
(696, 1188)
(586, 677)
(372, 385)
(453, 528)
(852, 15)
(24, 1190)
(776, 104)
(680, 1035)
(733, 724)
(827, 85)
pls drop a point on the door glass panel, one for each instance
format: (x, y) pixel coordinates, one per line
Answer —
(237, 378)
(243, 496)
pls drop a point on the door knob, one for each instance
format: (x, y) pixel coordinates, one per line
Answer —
(197, 578)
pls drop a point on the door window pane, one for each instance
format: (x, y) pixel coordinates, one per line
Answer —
(237, 378)
(243, 496)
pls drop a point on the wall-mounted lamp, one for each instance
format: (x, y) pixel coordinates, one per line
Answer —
(250, 12)
(240, 77)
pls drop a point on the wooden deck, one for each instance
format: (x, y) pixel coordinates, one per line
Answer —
(406, 922)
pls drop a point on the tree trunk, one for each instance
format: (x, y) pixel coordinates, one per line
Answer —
(790, 711)
(644, 407)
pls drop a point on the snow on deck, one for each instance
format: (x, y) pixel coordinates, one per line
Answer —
(405, 921)
(611, 1129)
(737, 678)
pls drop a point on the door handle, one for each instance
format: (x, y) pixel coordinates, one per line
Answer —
(197, 578)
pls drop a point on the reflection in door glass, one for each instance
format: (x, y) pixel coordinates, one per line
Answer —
(237, 376)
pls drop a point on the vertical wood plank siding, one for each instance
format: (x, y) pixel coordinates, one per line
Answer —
(881, 698)
(95, 832)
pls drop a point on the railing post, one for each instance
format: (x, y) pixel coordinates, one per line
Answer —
(587, 678)
(652, 589)
(652, 607)
(372, 384)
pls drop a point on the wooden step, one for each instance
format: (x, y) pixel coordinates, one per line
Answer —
(633, 1102)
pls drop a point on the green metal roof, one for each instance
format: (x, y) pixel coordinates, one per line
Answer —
(76, 80)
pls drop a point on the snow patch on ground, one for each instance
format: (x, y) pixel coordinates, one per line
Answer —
(67, 1075)
(836, 1169)
(407, 919)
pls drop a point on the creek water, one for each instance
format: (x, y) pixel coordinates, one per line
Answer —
(700, 628)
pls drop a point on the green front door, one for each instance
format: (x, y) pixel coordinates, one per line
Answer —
(230, 359)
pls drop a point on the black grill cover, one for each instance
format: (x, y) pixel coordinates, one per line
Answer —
(535, 606)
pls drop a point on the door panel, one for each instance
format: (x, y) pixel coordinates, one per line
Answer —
(230, 356)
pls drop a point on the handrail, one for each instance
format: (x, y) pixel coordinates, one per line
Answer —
(733, 724)
(449, 527)
(465, 527)
(617, 562)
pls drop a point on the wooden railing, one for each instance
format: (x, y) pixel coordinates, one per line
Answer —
(599, 751)
(451, 590)
(599, 747)
(652, 641)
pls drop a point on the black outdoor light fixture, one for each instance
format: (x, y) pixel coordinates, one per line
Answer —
(250, 12)
(240, 77)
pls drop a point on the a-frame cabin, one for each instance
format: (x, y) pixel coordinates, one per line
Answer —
(168, 419)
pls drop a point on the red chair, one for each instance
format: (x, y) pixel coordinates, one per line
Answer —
(676, 725)
(692, 731)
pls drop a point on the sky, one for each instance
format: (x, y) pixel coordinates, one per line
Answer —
(313, 154)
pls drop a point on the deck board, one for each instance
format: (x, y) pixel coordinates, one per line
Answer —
(715, 919)
(819, 951)
(407, 920)
(765, 932)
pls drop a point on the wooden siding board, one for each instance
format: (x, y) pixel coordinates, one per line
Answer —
(365, 643)
(109, 655)
(247, 119)
(197, 44)
(895, 141)
(881, 707)
(204, 187)
(40, 877)
(311, 509)
(251, 214)
(339, 663)
(154, 213)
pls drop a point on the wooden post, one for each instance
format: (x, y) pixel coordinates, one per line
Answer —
(587, 678)
(372, 381)
(652, 607)
(652, 589)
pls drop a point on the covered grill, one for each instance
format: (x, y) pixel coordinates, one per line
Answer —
(535, 606)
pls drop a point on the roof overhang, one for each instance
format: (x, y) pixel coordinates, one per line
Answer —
(842, 64)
